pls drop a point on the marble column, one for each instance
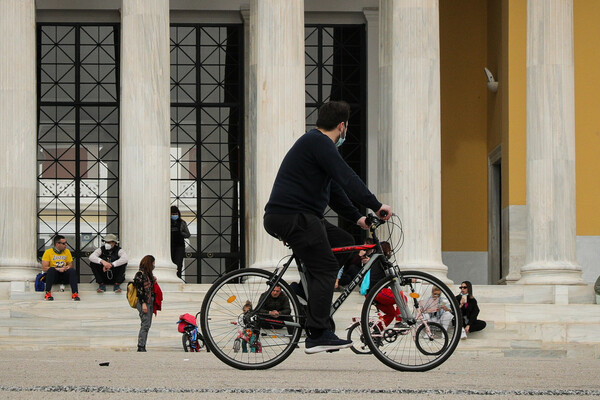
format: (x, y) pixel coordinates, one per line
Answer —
(18, 127)
(145, 135)
(410, 125)
(551, 220)
(372, 20)
(276, 112)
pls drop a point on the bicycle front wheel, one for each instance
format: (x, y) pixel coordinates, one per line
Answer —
(239, 341)
(401, 347)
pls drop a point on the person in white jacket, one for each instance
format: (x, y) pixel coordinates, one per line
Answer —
(435, 309)
(108, 263)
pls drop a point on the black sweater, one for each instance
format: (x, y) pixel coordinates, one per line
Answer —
(312, 175)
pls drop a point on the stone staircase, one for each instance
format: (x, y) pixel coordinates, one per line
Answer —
(547, 324)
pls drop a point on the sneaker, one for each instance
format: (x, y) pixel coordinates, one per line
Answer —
(101, 289)
(463, 334)
(328, 341)
(117, 289)
(48, 296)
(75, 297)
(401, 325)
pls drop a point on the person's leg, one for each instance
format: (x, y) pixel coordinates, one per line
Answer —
(339, 238)
(145, 323)
(387, 304)
(51, 276)
(98, 273)
(177, 255)
(445, 320)
(70, 277)
(477, 325)
(307, 236)
(119, 274)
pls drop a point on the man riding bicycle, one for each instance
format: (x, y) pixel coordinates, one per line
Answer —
(313, 175)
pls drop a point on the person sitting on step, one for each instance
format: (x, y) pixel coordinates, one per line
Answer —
(57, 263)
(108, 263)
(469, 310)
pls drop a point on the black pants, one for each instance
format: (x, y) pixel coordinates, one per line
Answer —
(177, 255)
(69, 276)
(477, 325)
(118, 274)
(311, 239)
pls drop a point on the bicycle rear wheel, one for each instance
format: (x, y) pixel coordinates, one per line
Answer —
(359, 346)
(431, 338)
(399, 349)
(222, 321)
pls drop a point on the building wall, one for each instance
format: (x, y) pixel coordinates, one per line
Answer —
(464, 103)
(587, 134)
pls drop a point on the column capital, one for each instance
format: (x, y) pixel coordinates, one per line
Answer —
(371, 15)
(245, 13)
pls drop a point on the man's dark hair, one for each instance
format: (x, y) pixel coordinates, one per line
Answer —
(57, 239)
(332, 113)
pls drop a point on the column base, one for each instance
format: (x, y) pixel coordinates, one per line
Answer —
(165, 271)
(19, 271)
(551, 274)
(438, 270)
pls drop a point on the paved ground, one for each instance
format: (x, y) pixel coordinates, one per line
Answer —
(178, 375)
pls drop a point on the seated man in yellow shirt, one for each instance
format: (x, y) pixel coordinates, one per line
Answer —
(57, 263)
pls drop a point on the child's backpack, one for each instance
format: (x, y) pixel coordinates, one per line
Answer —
(132, 296)
(40, 282)
(185, 320)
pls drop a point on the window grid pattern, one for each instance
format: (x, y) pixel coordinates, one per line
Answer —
(78, 137)
(206, 146)
(335, 69)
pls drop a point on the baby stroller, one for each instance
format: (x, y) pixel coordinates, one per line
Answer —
(191, 339)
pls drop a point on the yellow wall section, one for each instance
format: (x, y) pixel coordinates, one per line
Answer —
(463, 42)
(514, 152)
(587, 114)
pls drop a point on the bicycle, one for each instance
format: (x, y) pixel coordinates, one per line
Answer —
(430, 338)
(222, 316)
(191, 339)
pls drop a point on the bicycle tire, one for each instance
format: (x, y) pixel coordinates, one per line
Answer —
(359, 346)
(432, 343)
(184, 341)
(222, 321)
(399, 350)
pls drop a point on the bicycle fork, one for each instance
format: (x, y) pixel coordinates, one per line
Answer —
(405, 313)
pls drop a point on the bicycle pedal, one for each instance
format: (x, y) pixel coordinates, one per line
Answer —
(331, 351)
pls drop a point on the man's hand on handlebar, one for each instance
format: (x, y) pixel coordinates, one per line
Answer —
(385, 212)
(362, 222)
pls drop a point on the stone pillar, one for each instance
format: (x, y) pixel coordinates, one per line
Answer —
(372, 19)
(276, 110)
(145, 133)
(18, 141)
(410, 125)
(551, 248)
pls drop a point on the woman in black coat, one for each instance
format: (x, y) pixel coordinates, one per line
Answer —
(469, 309)
(179, 232)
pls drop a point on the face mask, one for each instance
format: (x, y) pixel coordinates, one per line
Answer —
(107, 246)
(174, 217)
(341, 140)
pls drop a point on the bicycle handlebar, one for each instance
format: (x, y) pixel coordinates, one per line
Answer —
(373, 221)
